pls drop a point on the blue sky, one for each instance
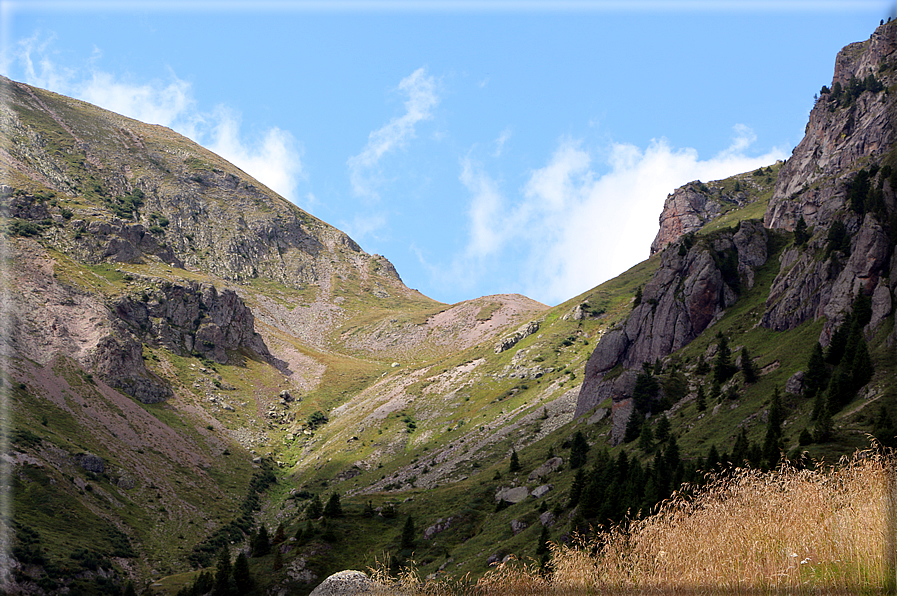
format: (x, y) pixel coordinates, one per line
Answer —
(482, 147)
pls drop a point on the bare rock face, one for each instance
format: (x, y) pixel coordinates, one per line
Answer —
(842, 137)
(837, 137)
(689, 290)
(686, 210)
(191, 318)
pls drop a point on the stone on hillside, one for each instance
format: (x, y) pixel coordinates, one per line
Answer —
(91, 463)
(541, 491)
(547, 519)
(344, 583)
(512, 495)
(508, 342)
(517, 526)
(599, 415)
(441, 525)
(795, 384)
(545, 469)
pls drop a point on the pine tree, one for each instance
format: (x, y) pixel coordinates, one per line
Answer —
(741, 449)
(261, 546)
(861, 366)
(747, 366)
(824, 426)
(723, 369)
(408, 534)
(334, 508)
(801, 234)
(646, 439)
(671, 453)
(663, 429)
(242, 576)
(279, 535)
(129, 589)
(314, 509)
(579, 450)
(816, 376)
(222, 585)
(700, 400)
(633, 426)
(576, 488)
(544, 537)
(772, 441)
(278, 560)
(711, 464)
(515, 462)
(883, 428)
(702, 368)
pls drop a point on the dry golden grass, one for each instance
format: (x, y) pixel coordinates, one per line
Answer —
(823, 531)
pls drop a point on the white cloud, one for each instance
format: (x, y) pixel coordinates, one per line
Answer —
(500, 142)
(422, 98)
(275, 160)
(364, 225)
(575, 228)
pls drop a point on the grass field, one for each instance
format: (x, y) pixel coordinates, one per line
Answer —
(825, 530)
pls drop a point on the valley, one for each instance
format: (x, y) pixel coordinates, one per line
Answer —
(190, 361)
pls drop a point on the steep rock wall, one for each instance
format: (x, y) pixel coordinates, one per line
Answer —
(843, 135)
(689, 290)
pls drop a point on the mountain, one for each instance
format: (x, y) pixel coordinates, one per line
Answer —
(191, 358)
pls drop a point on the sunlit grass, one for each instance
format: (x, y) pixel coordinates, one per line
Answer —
(817, 531)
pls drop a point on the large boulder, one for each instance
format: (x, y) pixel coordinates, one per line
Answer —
(344, 583)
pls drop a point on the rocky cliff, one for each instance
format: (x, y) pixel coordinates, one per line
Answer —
(836, 192)
(698, 278)
(689, 208)
(838, 175)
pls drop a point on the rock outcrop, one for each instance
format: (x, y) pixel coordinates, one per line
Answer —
(851, 127)
(840, 133)
(690, 289)
(194, 318)
(692, 206)
(508, 342)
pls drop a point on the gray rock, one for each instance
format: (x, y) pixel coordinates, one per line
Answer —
(547, 519)
(440, 526)
(545, 469)
(881, 305)
(91, 463)
(512, 495)
(685, 295)
(517, 526)
(508, 342)
(795, 384)
(344, 583)
(541, 491)
(599, 415)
